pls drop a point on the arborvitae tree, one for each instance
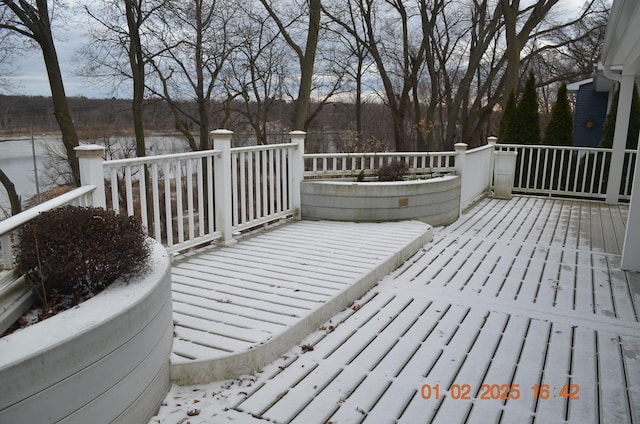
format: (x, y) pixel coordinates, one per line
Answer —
(508, 131)
(559, 132)
(634, 122)
(528, 115)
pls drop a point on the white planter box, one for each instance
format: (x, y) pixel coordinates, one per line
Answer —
(435, 201)
(106, 360)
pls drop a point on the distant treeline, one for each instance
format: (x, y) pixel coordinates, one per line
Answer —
(332, 128)
(21, 114)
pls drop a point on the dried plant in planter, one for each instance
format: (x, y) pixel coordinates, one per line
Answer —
(393, 171)
(70, 254)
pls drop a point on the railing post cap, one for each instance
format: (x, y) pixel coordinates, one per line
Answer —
(89, 150)
(297, 132)
(492, 139)
(88, 147)
(461, 146)
(222, 131)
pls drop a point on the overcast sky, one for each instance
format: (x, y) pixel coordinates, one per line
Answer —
(31, 79)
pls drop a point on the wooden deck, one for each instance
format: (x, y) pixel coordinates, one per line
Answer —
(516, 313)
(239, 307)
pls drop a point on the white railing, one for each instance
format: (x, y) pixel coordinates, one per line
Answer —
(189, 199)
(476, 173)
(263, 185)
(567, 171)
(323, 165)
(168, 193)
(628, 168)
(81, 196)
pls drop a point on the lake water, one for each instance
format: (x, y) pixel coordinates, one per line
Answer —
(16, 159)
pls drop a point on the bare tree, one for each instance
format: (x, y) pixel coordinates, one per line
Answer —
(306, 57)
(519, 25)
(496, 50)
(136, 17)
(355, 61)
(6, 53)
(33, 21)
(569, 52)
(398, 54)
(258, 71)
(473, 93)
(195, 41)
(445, 65)
(119, 50)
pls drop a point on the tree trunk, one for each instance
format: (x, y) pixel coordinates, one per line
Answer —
(136, 60)
(306, 68)
(41, 28)
(517, 35)
(510, 13)
(420, 125)
(358, 105)
(14, 199)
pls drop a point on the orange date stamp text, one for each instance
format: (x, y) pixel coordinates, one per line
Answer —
(499, 391)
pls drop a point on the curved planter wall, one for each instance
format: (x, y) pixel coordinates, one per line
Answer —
(435, 201)
(106, 360)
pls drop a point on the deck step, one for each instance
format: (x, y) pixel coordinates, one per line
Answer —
(275, 288)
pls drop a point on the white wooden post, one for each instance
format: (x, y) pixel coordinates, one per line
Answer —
(620, 138)
(90, 158)
(492, 141)
(461, 153)
(297, 171)
(222, 184)
(630, 260)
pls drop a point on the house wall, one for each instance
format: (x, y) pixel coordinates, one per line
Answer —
(589, 117)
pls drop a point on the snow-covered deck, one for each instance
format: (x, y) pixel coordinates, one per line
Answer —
(239, 307)
(521, 299)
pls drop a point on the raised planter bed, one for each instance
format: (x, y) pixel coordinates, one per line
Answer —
(106, 360)
(435, 201)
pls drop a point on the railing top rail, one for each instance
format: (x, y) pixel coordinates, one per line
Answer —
(480, 149)
(545, 146)
(161, 158)
(264, 147)
(570, 148)
(371, 154)
(22, 218)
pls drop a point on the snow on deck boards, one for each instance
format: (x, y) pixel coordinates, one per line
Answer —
(516, 313)
(274, 288)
